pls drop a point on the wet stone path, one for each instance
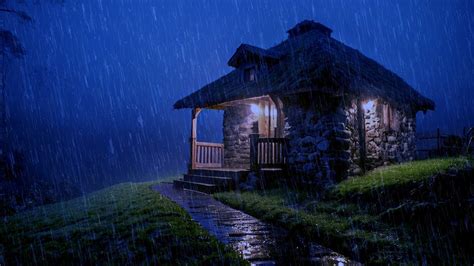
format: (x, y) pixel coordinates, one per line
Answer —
(258, 242)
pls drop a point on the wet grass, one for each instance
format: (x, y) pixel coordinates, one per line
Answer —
(337, 225)
(397, 175)
(352, 226)
(124, 224)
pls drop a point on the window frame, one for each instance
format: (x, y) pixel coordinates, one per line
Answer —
(248, 72)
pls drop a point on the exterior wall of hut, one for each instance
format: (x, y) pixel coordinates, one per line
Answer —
(323, 135)
(353, 127)
(318, 140)
(239, 123)
(389, 135)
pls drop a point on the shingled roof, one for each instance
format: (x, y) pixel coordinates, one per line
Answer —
(247, 52)
(311, 61)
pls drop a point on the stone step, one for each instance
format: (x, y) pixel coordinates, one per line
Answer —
(201, 187)
(221, 182)
(231, 173)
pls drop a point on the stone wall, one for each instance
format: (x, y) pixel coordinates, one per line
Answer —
(323, 134)
(238, 125)
(390, 145)
(384, 144)
(318, 139)
(354, 148)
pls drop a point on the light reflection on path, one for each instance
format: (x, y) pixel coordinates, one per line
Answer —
(258, 242)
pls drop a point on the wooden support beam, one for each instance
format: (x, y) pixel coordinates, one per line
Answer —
(280, 126)
(254, 151)
(269, 117)
(194, 115)
(361, 128)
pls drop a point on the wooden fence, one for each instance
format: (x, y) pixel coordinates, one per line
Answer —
(433, 144)
(468, 133)
(268, 152)
(209, 155)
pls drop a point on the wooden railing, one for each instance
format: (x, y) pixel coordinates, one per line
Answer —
(434, 144)
(209, 155)
(268, 152)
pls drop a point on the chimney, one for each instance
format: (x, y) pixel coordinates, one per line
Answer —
(306, 26)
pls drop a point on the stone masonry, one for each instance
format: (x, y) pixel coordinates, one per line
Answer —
(324, 140)
(238, 125)
(323, 133)
(384, 144)
(318, 139)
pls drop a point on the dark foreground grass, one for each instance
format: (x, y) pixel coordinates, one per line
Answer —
(352, 227)
(124, 224)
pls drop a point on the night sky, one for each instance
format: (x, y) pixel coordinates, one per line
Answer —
(91, 101)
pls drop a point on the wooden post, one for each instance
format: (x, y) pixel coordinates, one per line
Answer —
(280, 126)
(254, 151)
(269, 134)
(194, 114)
(361, 127)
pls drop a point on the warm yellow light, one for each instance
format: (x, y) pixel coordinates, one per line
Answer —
(255, 109)
(273, 112)
(369, 105)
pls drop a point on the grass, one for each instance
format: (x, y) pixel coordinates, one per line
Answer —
(349, 226)
(124, 224)
(397, 175)
(336, 225)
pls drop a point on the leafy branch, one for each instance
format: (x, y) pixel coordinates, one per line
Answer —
(19, 14)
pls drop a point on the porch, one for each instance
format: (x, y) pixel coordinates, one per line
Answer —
(253, 142)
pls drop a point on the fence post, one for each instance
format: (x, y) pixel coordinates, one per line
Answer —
(254, 151)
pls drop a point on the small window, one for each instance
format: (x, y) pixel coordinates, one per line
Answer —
(250, 74)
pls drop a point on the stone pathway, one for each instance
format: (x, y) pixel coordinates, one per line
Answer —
(258, 242)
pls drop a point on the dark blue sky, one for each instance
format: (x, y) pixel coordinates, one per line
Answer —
(92, 99)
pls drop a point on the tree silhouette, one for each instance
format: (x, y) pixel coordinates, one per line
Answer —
(10, 47)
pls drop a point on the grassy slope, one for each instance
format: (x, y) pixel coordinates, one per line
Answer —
(341, 224)
(336, 225)
(397, 175)
(126, 223)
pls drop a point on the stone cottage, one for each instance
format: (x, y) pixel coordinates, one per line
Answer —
(311, 105)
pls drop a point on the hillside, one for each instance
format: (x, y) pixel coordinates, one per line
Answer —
(124, 224)
(418, 212)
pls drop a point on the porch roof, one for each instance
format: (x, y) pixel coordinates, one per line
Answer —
(312, 61)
